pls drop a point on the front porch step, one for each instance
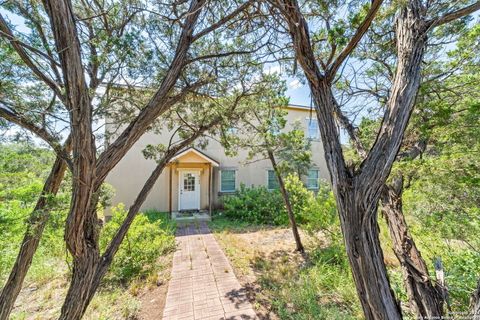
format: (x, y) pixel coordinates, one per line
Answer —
(182, 217)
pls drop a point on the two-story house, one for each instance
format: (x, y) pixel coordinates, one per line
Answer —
(197, 179)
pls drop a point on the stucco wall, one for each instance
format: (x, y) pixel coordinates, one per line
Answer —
(131, 172)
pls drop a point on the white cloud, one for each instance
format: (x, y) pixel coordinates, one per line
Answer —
(273, 69)
(294, 84)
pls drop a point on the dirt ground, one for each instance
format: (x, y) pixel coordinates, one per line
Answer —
(152, 299)
(251, 247)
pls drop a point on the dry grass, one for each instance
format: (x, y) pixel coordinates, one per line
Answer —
(142, 299)
(283, 284)
(152, 298)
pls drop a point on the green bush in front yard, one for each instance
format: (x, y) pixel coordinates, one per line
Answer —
(256, 205)
(145, 241)
(314, 211)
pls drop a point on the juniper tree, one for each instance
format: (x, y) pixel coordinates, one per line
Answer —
(77, 52)
(321, 52)
(446, 79)
(265, 135)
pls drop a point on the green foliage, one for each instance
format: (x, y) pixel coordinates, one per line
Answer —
(145, 241)
(263, 128)
(314, 212)
(105, 195)
(23, 169)
(462, 271)
(293, 151)
(256, 205)
(322, 289)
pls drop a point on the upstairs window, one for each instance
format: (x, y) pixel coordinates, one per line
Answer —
(232, 130)
(227, 181)
(312, 179)
(272, 181)
(274, 127)
(312, 129)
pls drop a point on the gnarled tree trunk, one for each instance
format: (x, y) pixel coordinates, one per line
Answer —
(426, 299)
(360, 231)
(357, 193)
(98, 267)
(35, 226)
(81, 232)
(82, 228)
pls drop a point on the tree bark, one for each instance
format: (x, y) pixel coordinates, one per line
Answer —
(357, 192)
(360, 231)
(101, 265)
(82, 227)
(475, 303)
(426, 299)
(288, 205)
(81, 230)
(107, 257)
(35, 226)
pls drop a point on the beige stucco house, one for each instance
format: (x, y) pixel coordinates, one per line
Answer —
(197, 179)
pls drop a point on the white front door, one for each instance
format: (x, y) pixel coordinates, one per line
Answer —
(189, 185)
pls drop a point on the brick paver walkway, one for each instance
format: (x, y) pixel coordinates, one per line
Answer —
(203, 285)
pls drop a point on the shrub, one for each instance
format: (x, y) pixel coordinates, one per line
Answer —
(261, 206)
(145, 241)
(462, 267)
(313, 211)
(23, 169)
(256, 205)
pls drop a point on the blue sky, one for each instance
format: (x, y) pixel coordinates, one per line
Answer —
(298, 92)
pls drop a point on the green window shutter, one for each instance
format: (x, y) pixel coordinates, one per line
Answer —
(312, 179)
(227, 183)
(272, 181)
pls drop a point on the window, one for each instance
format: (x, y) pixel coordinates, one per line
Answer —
(232, 130)
(312, 129)
(312, 179)
(272, 181)
(227, 181)
(275, 127)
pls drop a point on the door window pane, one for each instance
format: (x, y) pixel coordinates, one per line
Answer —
(189, 182)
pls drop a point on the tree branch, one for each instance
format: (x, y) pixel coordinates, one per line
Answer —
(114, 245)
(19, 48)
(321, 90)
(221, 55)
(222, 21)
(11, 115)
(359, 33)
(158, 104)
(454, 15)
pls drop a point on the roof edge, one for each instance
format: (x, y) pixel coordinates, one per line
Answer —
(199, 153)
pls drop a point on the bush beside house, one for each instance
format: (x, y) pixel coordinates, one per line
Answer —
(313, 209)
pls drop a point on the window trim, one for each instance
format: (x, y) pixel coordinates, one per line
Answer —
(317, 180)
(235, 180)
